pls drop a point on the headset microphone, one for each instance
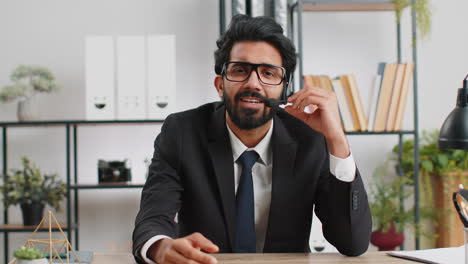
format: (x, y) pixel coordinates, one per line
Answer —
(270, 102)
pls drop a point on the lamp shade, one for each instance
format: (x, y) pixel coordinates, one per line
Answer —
(454, 131)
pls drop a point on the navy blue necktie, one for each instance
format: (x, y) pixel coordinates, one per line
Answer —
(245, 213)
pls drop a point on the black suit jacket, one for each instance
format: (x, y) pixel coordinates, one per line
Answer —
(192, 174)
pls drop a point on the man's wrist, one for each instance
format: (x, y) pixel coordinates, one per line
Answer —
(145, 253)
(338, 146)
(153, 249)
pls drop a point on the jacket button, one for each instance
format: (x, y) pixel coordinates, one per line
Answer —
(355, 200)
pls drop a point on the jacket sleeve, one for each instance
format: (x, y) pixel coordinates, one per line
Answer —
(161, 195)
(343, 209)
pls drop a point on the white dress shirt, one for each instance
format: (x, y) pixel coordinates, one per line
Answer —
(342, 169)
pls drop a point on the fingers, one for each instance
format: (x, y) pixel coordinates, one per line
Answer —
(312, 96)
(203, 243)
(189, 252)
(299, 114)
(292, 110)
(175, 257)
(312, 90)
(186, 250)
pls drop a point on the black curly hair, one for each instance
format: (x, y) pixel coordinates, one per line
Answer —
(246, 28)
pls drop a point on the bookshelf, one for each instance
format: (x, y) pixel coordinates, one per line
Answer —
(71, 224)
(295, 31)
(300, 6)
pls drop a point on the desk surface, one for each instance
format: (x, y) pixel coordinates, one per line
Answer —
(317, 258)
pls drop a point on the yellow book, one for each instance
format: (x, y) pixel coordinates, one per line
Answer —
(395, 98)
(404, 95)
(325, 83)
(352, 107)
(345, 112)
(356, 94)
(385, 96)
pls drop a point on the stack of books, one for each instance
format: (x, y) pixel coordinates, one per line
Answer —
(387, 101)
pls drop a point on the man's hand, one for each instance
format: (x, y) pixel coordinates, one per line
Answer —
(325, 119)
(183, 250)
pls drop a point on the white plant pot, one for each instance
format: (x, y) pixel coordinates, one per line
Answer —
(28, 109)
(32, 261)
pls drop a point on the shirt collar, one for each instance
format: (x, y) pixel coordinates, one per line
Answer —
(263, 148)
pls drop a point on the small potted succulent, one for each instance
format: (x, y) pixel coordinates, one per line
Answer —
(32, 190)
(26, 255)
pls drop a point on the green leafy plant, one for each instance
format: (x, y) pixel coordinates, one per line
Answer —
(386, 191)
(432, 161)
(423, 14)
(29, 185)
(435, 165)
(432, 158)
(28, 253)
(28, 80)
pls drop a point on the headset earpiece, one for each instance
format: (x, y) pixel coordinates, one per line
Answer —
(284, 93)
(287, 89)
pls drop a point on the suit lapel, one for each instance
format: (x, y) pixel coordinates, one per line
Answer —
(219, 147)
(284, 149)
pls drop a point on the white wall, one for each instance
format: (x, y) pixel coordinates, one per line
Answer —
(51, 33)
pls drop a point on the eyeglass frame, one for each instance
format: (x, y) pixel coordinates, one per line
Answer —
(255, 67)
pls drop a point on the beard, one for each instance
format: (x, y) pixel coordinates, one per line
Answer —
(247, 119)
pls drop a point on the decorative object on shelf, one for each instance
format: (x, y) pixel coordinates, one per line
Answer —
(29, 188)
(161, 75)
(388, 216)
(319, 244)
(423, 14)
(26, 255)
(387, 240)
(114, 171)
(28, 80)
(58, 249)
(440, 173)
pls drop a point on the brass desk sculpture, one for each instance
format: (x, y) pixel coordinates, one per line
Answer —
(49, 221)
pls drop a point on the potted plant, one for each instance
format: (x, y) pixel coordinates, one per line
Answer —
(28, 80)
(389, 217)
(440, 172)
(29, 188)
(26, 255)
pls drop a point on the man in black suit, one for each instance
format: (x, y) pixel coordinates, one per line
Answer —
(243, 175)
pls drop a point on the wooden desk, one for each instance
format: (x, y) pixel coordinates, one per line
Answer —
(317, 258)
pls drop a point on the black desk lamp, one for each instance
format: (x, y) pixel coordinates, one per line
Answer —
(454, 135)
(454, 131)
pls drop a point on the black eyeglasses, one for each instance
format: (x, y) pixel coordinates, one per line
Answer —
(239, 71)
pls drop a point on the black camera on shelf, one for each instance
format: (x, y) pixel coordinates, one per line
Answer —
(113, 171)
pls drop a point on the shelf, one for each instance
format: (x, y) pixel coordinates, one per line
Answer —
(23, 228)
(107, 186)
(79, 122)
(354, 133)
(347, 5)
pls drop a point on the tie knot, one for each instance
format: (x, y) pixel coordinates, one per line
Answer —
(248, 159)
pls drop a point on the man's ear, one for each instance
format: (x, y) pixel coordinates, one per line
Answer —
(218, 83)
